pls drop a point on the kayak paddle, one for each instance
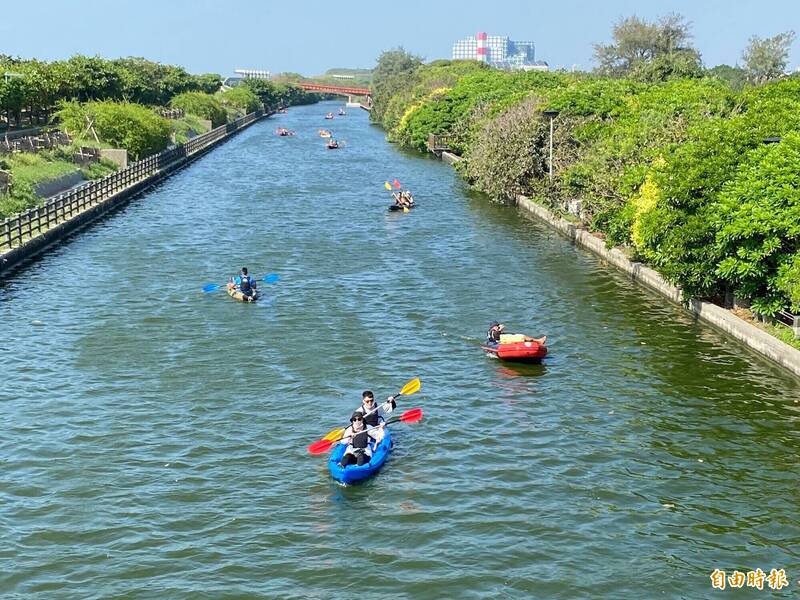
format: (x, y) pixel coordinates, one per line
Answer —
(410, 416)
(409, 388)
(213, 287)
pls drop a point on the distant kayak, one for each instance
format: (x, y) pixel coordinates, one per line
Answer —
(395, 207)
(354, 473)
(236, 294)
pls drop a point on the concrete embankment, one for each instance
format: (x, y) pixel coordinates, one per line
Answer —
(722, 319)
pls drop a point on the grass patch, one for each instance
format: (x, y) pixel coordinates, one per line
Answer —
(90, 143)
(99, 169)
(29, 169)
(783, 333)
(776, 330)
(188, 127)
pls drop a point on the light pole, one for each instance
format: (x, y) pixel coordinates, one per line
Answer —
(552, 114)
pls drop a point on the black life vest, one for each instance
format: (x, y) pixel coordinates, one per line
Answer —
(370, 420)
(360, 440)
(493, 336)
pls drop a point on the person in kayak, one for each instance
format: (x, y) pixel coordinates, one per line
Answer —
(403, 199)
(358, 439)
(493, 335)
(247, 285)
(374, 414)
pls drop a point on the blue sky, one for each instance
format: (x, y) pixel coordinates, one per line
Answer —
(310, 36)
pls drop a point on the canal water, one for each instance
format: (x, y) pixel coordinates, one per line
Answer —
(154, 436)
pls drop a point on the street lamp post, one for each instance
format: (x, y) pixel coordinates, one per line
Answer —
(552, 114)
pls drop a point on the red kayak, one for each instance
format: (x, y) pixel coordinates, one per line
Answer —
(529, 350)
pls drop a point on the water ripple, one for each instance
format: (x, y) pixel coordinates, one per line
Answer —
(154, 436)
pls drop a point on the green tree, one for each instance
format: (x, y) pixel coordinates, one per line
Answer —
(758, 226)
(735, 77)
(174, 81)
(202, 105)
(267, 91)
(95, 78)
(638, 42)
(209, 83)
(13, 97)
(766, 59)
(393, 72)
(241, 98)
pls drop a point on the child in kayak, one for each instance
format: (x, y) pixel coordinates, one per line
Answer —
(373, 414)
(358, 439)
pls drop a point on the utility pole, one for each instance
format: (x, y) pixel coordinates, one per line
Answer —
(552, 114)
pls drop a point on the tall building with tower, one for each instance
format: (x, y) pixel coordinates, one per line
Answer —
(498, 51)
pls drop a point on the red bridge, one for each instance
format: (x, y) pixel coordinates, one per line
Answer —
(339, 89)
(333, 89)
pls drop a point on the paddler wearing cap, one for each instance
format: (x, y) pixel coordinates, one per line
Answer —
(358, 437)
(493, 335)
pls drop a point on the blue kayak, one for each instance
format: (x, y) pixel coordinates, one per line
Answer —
(354, 473)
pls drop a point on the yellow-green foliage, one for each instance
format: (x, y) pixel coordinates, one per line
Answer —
(643, 203)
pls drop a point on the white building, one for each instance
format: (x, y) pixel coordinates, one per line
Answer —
(498, 51)
(252, 73)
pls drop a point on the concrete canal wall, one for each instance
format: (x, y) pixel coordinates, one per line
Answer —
(722, 319)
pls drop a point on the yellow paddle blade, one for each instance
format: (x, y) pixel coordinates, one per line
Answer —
(411, 387)
(405, 209)
(387, 186)
(335, 434)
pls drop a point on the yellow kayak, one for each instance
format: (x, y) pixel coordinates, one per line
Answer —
(234, 293)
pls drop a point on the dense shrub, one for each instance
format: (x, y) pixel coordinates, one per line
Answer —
(123, 125)
(240, 98)
(202, 105)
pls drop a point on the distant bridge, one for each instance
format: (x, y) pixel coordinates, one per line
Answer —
(348, 91)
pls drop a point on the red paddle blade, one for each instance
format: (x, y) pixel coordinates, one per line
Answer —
(411, 416)
(397, 184)
(320, 446)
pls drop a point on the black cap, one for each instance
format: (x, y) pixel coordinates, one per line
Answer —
(355, 414)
